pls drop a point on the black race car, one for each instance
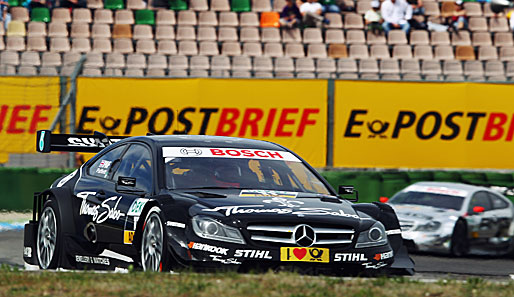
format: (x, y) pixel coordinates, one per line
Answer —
(163, 203)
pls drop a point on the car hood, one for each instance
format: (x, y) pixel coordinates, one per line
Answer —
(412, 212)
(303, 208)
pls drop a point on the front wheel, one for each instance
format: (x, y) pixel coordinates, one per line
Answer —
(154, 251)
(48, 238)
(459, 242)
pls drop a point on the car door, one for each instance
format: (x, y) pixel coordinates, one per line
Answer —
(503, 214)
(134, 182)
(482, 225)
(100, 205)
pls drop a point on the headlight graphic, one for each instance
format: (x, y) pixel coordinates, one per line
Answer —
(209, 228)
(374, 236)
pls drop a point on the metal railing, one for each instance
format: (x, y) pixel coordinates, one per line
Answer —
(69, 99)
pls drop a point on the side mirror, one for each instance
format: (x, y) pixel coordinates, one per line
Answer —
(348, 190)
(128, 185)
(126, 181)
(478, 209)
(383, 199)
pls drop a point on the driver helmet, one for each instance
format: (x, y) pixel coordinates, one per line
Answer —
(226, 173)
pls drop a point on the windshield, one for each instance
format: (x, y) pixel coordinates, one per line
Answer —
(428, 199)
(240, 168)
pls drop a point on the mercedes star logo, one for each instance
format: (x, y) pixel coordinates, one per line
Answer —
(304, 235)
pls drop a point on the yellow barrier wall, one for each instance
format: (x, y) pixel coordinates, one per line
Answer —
(423, 125)
(289, 112)
(26, 105)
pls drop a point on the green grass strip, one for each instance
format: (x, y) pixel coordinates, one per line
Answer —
(18, 283)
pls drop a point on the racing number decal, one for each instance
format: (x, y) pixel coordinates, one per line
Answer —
(304, 254)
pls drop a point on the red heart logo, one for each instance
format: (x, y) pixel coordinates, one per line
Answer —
(299, 253)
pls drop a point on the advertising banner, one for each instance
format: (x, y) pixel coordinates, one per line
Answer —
(423, 125)
(26, 105)
(291, 113)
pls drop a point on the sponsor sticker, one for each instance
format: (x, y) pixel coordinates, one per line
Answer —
(437, 190)
(254, 254)
(257, 209)
(105, 164)
(207, 248)
(137, 207)
(92, 260)
(175, 224)
(102, 171)
(383, 256)
(190, 152)
(108, 209)
(235, 153)
(217, 258)
(350, 257)
(89, 141)
(284, 202)
(297, 254)
(370, 265)
(128, 237)
(267, 193)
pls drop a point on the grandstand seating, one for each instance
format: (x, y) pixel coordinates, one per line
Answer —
(242, 38)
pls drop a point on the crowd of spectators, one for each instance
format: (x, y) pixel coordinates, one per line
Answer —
(382, 17)
(308, 13)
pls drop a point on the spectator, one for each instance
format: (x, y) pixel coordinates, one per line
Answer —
(510, 17)
(312, 13)
(330, 6)
(5, 16)
(459, 20)
(417, 7)
(290, 16)
(373, 18)
(343, 7)
(36, 4)
(162, 4)
(73, 3)
(396, 15)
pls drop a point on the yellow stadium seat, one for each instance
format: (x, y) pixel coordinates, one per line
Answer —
(16, 28)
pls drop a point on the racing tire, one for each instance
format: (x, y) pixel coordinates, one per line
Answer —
(154, 248)
(459, 245)
(48, 237)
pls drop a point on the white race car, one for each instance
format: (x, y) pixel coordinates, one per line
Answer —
(455, 218)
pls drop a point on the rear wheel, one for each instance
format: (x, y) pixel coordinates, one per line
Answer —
(459, 242)
(154, 250)
(48, 238)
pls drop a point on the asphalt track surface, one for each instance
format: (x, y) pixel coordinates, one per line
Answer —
(427, 266)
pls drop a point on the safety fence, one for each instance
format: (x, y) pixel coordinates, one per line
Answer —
(373, 184)
(19, 184)
(330, 123)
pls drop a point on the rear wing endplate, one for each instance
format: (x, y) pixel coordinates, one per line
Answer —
(46, 142)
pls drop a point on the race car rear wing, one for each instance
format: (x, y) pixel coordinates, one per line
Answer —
(46, 142)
